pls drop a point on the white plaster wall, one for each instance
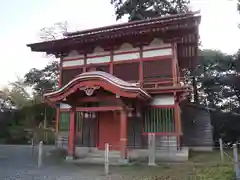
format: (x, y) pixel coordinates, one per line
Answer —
(98, 51)
(126, 57)
(73, 55)
(156, 43)
(96, 60)
(72, 63)
(64, 106)
(163, 100)
(158, 52)
(126, 47)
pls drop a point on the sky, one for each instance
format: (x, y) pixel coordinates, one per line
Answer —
(22, 20)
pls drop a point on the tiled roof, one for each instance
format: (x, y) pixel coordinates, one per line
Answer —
(158, 20)
(104, 76)
(166, 23)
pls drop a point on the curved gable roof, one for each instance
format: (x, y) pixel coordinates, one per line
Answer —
(103, 76)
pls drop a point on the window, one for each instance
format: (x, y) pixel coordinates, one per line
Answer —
(159, 120)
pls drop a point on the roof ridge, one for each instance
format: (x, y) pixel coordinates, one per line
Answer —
(76, 33)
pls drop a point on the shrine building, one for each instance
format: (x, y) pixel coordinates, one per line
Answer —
(121, 82)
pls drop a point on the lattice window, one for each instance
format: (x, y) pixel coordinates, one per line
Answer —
(157, 69)
(127, 71)
(79, 122)
(159, 120)
(64, 120)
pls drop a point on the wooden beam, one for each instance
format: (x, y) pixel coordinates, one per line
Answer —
(99, 109)
(97, 98)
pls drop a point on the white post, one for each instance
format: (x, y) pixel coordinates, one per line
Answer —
(221, 149)
(106, 165)
(40, 152)
(32, 147)
(152, 149)
(236, 165)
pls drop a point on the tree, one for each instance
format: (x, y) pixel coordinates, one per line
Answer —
(15, 95)
(146, 9)
(213, 66)
(6, 102)
(54, 32)
(44, 79)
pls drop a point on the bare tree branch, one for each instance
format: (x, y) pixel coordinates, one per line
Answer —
(54, 32)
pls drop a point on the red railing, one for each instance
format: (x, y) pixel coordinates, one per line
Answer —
(163, 83)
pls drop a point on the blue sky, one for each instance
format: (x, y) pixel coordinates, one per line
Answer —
(22, 20)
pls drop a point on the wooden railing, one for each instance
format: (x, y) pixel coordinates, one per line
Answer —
(163, 83)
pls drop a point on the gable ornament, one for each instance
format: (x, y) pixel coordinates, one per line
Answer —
(89, 90)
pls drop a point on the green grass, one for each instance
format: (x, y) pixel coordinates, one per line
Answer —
(201, 166)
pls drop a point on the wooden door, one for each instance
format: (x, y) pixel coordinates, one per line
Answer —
(109, 130)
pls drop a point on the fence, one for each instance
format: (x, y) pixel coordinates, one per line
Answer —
(222, 161)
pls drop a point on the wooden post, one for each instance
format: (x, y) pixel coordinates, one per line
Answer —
(40, 151)
(106, 164)
(221, 150)
(123, 134)
(236, 165)
(72, 128)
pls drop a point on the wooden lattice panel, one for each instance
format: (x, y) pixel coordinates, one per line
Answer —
(69, 74)
(157, 69)
(127, 71)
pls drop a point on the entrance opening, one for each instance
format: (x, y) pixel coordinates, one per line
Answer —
(109, 130)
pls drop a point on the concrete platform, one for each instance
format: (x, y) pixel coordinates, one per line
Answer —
(94, 156)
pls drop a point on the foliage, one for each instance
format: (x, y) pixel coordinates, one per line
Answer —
(217, 76)
(44, 79)
(14, 96)
(213, 67)
(28, 119)
(29, 111)
(145, 9)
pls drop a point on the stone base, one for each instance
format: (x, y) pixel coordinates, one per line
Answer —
(123, 161)
(202, 149)
(69, 158)
(151, 164)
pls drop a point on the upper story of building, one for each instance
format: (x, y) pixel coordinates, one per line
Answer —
(151, 52)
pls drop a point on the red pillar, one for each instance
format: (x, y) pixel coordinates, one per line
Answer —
(57, 119)
(123, 134)
(72, 133)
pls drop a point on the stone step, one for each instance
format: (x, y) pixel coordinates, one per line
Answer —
(102, 154)
(99, 153)
(91, 160)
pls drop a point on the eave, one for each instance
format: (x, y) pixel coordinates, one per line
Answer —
(160, 25)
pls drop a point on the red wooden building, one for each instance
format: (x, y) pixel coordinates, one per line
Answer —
(118, 83)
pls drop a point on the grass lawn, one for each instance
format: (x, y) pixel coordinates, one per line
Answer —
(201, 166)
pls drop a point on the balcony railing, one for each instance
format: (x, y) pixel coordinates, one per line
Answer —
(165, 83)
